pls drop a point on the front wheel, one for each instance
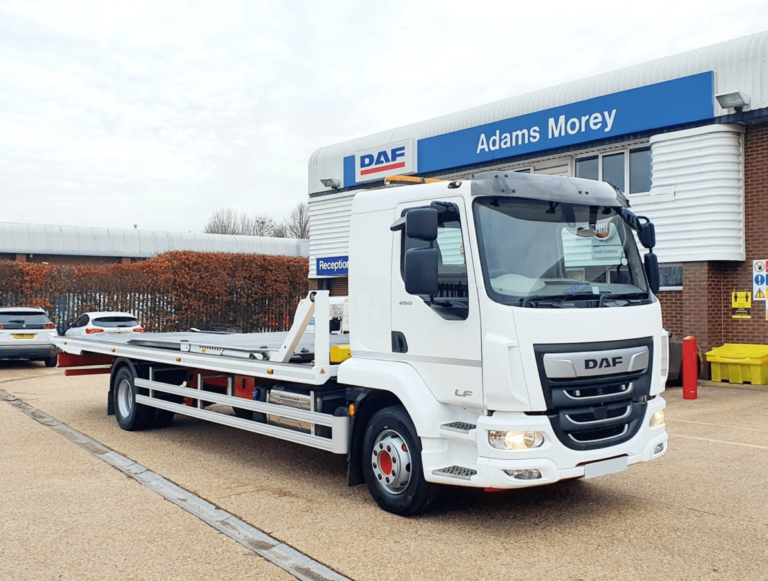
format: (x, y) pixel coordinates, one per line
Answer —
(392, 464)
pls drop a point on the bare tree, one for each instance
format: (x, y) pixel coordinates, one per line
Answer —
(280, 230)
(263, 225)
(297, 223)
(229, 221)
(222, 221)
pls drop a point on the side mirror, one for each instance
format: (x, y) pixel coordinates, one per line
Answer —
(421, 224)
(647, 235)
(652, 272)
(420, 271)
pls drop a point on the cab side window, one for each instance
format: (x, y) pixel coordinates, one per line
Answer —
(452, 266)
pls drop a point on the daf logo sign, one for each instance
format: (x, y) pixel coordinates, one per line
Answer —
(602, 363)
(593, 363)
(398, 158)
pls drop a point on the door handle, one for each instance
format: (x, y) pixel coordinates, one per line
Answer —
(399, 344)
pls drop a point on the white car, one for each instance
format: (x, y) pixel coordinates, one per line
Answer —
(25, 333)
(106, 322)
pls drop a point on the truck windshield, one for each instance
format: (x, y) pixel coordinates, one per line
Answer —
(554, 254)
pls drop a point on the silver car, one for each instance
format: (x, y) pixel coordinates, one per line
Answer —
(25, 333)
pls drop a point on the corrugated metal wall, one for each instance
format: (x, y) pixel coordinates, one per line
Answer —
(70, 240)
(699, 214)
(329, 219)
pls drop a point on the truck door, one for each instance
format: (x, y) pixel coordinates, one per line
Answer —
(440, 340)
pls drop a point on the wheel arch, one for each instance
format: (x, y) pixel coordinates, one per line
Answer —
(367, 403)
(384, 384)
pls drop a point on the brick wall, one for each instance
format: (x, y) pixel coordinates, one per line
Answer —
(672, 311)
(703, 308)
(339, 287)
(738, 276)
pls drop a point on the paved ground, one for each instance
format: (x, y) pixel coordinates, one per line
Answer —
(698, 513)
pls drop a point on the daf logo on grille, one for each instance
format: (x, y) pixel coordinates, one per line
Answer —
(604, 362)
(594, 363)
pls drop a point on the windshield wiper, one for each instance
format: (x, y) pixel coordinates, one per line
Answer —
(557, 300)
(628, 296)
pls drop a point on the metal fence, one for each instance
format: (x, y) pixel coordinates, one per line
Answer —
(163, 312)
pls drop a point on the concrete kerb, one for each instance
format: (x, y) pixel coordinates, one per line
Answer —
(287, 558)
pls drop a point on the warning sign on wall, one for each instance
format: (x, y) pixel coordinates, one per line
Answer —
(741, 305)
(759, 279)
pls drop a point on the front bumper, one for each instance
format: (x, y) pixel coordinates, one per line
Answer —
(484, 466)
(31, 352)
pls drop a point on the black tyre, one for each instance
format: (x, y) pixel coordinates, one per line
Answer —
(163, 419)
(243, 414)
(392, 464)
(130, 415)
(52, 361)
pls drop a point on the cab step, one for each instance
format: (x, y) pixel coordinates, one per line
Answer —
(456, 472)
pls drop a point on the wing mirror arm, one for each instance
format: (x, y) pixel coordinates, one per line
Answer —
(646, 232)
(645, 229)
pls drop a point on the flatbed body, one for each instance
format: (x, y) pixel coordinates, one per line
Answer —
(226, 353)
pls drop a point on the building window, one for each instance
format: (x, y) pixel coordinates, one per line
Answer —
(628, 170)
(670, 276)
(640, 170)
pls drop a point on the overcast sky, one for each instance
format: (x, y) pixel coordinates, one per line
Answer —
(158, 112)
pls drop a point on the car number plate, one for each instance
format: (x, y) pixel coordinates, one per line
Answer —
(605, 467)
(23, 336)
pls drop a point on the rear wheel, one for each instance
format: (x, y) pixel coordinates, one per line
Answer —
(52, 361)
(242, 414)
(163, 419)
(130, 415)
(392, 464)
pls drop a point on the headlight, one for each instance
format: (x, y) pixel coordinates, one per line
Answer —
(657, 420)
(515, 440)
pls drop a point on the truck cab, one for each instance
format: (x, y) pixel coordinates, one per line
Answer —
(514, 320)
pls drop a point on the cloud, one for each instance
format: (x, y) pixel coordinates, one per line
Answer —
(157, 113)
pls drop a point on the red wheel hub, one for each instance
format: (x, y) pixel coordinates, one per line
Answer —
(385, 463)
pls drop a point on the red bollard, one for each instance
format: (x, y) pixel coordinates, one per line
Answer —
(690, 368)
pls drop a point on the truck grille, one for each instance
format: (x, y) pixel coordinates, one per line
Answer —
(598, 411)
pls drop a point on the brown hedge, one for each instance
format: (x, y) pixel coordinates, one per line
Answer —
(170, 292)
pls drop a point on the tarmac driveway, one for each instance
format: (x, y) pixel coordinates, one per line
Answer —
(697, 513)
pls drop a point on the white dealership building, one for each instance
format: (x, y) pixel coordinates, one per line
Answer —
(685, 137)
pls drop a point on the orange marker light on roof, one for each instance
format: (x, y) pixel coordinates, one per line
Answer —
(410, 180)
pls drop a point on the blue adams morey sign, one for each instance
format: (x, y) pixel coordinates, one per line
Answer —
(332, 266)
(666, 104)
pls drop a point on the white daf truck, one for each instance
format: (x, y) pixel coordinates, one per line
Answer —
(504, 333)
